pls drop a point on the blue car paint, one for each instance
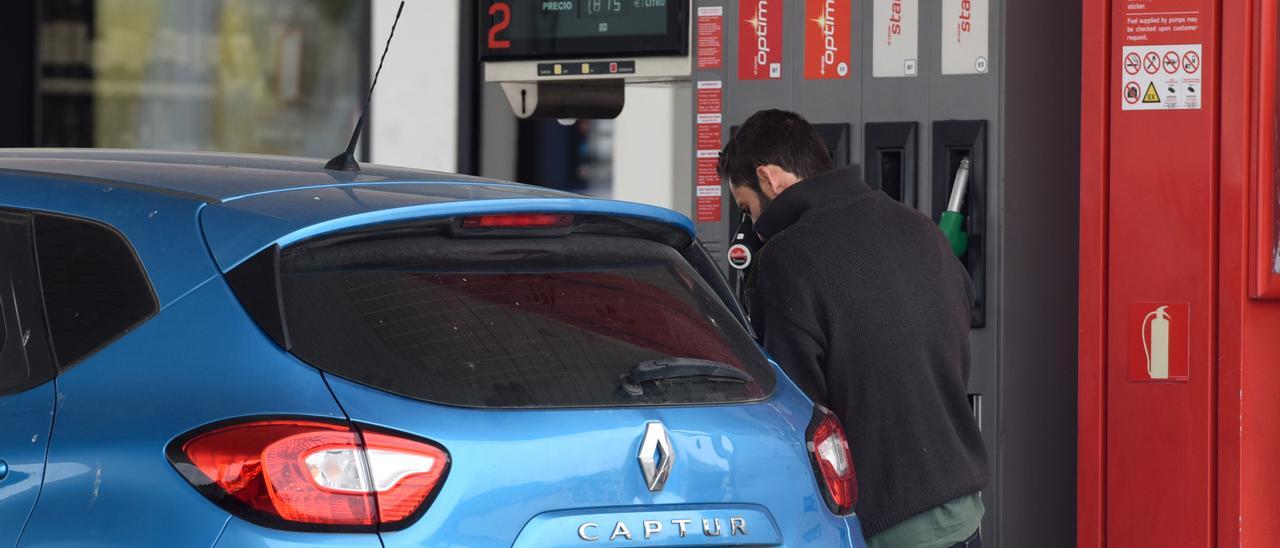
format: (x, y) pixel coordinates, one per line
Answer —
(726, 454)
(237, 229)
(25, 421)
(162, 228)
(242, 534)
(201, 359)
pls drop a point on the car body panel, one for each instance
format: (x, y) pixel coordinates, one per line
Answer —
(205, 176)
(242, 534)
(585, 459)
(163, 229)
(25, 421)
(236, 230)
(199, 361)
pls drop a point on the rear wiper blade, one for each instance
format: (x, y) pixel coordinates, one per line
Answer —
(681, 369)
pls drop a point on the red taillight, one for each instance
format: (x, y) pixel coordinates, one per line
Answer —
(302, 474)
(519, 220)
(832, 462)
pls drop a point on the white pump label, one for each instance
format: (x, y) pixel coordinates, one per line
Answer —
(1160, 77)
(966, 36)
(895, 51)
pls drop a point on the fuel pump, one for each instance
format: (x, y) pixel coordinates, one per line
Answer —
(741, 257)
(952, 221)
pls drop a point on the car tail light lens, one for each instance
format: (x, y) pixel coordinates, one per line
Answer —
(519, 220)
(312, 475)
(832, 462)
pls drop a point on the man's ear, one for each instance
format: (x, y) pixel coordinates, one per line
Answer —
(769, 183)
(773, 180)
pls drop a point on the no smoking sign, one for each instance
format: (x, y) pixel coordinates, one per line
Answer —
(1160, 77)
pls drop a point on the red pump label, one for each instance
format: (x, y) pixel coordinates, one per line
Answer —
(760, 40)
(827, 37)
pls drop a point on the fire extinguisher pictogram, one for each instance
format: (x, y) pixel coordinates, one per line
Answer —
(1159, 341)
(1157, 349)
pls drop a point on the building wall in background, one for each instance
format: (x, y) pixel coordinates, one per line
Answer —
(414, 114)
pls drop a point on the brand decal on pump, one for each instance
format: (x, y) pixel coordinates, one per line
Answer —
(895, 46)
(760, 41)
(827, 38)
(965, 36)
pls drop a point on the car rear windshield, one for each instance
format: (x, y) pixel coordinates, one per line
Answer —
(515, 323)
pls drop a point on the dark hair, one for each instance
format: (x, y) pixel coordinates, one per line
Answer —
(777, 137)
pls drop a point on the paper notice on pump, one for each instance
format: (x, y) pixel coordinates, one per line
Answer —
(895, 51)
(1163, 77)
(966, 35)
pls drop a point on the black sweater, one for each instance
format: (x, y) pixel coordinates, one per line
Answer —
(861, 301)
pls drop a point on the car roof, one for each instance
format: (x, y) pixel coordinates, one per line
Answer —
(243, 203)
(214, 177)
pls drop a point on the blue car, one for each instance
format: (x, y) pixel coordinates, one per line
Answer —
(233, 350)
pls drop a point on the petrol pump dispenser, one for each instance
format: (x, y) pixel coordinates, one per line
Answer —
(967, 111)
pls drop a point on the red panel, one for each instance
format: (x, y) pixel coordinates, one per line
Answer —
(1262, 214)
(1237, 71)
(1094, 161)
(1249, 440)
(828, 35)
(1162, 209)
(759, 39)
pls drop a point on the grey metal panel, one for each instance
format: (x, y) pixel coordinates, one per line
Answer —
(715, 235)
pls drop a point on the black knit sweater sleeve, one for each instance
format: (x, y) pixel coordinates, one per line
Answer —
(798, 348)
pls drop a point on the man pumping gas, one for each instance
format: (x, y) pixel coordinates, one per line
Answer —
(863, 303)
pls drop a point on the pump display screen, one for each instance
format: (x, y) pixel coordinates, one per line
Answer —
(558, 29)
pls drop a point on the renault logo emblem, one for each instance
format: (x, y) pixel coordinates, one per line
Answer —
(656, 456)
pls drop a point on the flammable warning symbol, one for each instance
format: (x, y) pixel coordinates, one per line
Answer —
(1151, 96)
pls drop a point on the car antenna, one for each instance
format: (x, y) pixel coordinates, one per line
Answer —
(346, 161)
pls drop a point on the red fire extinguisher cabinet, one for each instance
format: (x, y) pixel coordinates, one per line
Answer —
(1179, 434)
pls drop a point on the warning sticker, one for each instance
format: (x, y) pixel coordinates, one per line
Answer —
(895, 50)
(1161, 77)
(1161, 55)
(709, 190)
(708, 133)
(710, 37)
(710, 96)
(966, 35)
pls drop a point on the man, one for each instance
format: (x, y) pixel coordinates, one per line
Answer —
(861, 301)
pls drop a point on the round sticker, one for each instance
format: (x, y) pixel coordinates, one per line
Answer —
(739, 256)
(842, 69)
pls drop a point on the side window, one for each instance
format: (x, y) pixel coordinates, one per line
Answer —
(24, 351)
(94, 287)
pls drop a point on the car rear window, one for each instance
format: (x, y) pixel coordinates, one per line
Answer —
(513, 323)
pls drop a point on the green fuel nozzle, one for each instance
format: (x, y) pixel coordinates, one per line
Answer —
(952, 221)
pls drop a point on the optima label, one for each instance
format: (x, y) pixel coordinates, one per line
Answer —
(760, 40)
(828, 33)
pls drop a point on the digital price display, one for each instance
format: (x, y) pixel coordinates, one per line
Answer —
(561, 29)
